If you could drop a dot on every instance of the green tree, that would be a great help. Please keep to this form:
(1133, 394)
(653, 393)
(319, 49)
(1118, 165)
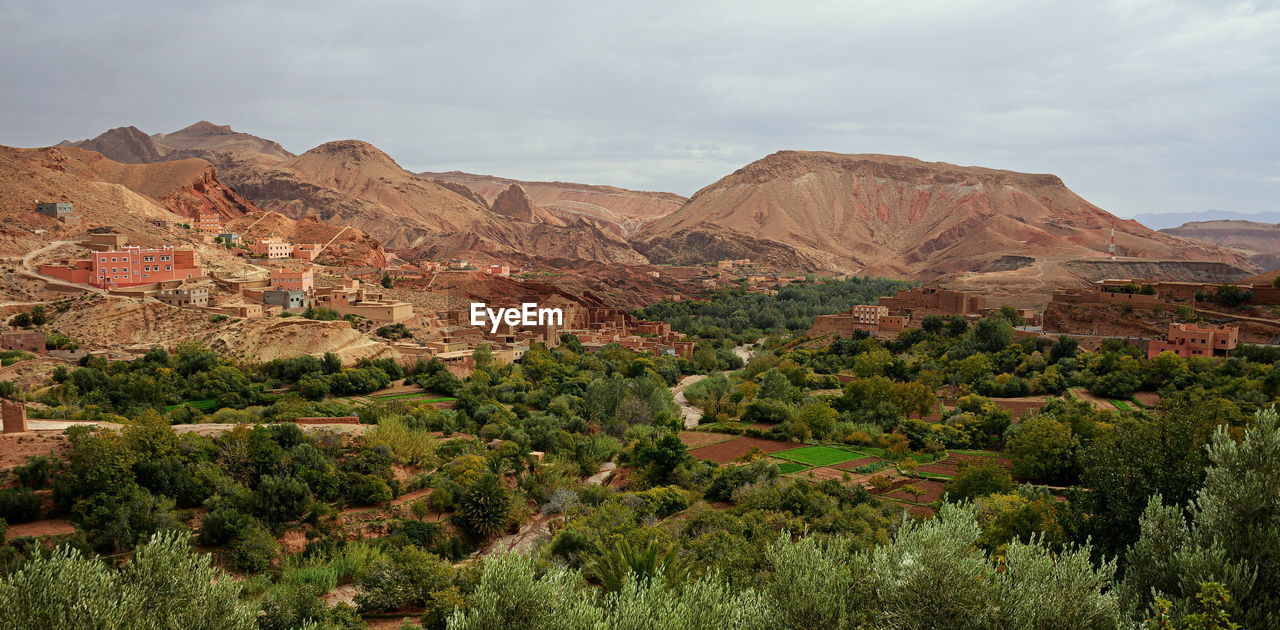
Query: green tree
(165, 585)
(774, 386)
(978, 479)
(992, 334)
(484, 507)
(626, 561)
(1043, 450)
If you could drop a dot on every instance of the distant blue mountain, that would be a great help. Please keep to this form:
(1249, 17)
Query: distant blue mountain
(1163, 220)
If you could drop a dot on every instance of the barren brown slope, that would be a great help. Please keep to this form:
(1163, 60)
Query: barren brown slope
(618, 210)
(207, 137)
(347, 246)
(899, 216)
(203, 139)
(105, 193)
(188, 187)
(1259, 241)
(123, 144)
(353, 183)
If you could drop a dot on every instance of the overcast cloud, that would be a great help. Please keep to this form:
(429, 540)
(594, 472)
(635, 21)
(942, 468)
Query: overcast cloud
(1139, 106)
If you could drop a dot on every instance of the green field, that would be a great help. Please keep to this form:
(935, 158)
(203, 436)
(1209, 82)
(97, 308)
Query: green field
(816, 455)
(1122, 405)
(787, 468)
(207, 404)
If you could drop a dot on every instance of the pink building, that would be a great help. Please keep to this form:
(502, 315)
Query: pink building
(130, 266)
(1196, 340)
(287, 280)
(498, 270)
(208, 223)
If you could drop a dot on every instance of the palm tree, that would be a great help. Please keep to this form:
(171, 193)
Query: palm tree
(612, 568)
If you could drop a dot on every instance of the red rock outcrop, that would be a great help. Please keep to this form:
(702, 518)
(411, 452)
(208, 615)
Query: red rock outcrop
(514, 203)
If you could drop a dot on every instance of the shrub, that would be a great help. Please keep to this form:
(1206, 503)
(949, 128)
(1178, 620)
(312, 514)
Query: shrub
(281, 499)
(19, 505)
(36, 473)
(367, 490)
(255, 550)
(223, 525)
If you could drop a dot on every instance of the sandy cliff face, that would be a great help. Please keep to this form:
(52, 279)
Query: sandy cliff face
(900, 216)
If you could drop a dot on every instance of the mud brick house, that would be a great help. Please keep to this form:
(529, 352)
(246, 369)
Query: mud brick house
(935, 301)
(872, 318)
(184, 297)
(57, 210)
(1196, 340)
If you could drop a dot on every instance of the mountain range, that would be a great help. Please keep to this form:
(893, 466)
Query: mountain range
(793, 210)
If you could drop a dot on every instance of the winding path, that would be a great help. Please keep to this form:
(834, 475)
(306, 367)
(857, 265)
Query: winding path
(692, 415)
(29, 269)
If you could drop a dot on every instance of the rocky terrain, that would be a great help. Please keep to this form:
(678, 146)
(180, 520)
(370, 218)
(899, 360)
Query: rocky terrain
(203, 139)
(899, 216)
(347, 246)
(617, 210)
(105, 193)
(793, 210)
(1260, 242)
(353, 183)
(265, 339)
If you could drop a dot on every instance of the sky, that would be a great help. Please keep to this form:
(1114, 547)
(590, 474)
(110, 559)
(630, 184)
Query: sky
(1140, 106)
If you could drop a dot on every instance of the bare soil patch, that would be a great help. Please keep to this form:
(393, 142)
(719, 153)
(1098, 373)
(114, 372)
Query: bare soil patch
(730, 450)
(16, 448)
(824, 473)
(1149, 399)
(932, 492)
(696, 439)
(50, 527)
(951, 465)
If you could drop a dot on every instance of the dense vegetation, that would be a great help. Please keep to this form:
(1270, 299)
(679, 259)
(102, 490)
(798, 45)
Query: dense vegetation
(1163, 514)
(746, 316)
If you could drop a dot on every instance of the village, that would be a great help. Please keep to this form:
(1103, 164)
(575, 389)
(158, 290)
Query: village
(417, 311)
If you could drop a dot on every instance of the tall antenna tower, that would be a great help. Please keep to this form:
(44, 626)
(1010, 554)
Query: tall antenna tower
(1112, 247)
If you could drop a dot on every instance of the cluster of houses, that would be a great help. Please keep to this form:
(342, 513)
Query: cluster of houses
(1139, 292)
